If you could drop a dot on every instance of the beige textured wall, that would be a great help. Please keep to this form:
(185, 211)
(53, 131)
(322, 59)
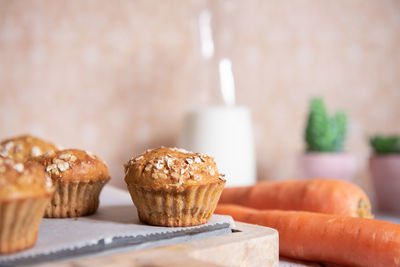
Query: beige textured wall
(115, 77)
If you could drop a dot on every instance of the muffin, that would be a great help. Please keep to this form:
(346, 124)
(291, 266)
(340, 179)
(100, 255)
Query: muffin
(78, 177)
(25, 191)
(173, 187)
(22, 148)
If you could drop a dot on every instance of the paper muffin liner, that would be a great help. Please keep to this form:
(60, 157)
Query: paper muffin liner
(19, 223)
(74, 199)
(192, 206)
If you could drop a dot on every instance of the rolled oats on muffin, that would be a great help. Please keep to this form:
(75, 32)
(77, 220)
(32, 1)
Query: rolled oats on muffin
(79, 177)
(25, 192)
(23, 147)
(174, 187)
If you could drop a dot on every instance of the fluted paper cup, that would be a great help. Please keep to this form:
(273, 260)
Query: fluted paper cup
(74, 199)
(19, 223)
(191, 206)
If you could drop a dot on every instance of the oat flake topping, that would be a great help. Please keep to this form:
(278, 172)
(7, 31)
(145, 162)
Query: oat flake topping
(19, 167)
(177, 167)
(35, 151)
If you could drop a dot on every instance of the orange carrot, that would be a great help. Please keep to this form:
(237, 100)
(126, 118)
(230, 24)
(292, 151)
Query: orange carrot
(325, 237)
(316, 195)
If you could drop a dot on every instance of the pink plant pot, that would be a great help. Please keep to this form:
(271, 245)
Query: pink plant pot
(327, 165)
(385, 170)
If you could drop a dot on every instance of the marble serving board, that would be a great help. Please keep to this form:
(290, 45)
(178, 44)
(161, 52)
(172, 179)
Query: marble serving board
(114, 226)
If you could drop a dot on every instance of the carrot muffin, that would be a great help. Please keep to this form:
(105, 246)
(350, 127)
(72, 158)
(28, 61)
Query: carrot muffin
(25, 191)
(21, 148)
(173, 187)
(78, 177)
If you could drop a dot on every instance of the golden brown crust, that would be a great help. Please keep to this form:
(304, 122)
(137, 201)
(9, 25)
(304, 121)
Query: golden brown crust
(22, 180)
(22, 148)
(168, 168)
(73, 165)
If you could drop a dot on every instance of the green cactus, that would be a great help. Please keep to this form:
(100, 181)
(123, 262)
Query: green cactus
(385, 144)
(324, 133)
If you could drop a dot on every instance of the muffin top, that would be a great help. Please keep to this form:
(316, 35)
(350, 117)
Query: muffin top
(23, 180)
(21, 148)
(171, 168)
(73, 165)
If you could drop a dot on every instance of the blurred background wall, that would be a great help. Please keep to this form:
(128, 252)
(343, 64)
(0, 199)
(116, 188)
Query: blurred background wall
(116, 77)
